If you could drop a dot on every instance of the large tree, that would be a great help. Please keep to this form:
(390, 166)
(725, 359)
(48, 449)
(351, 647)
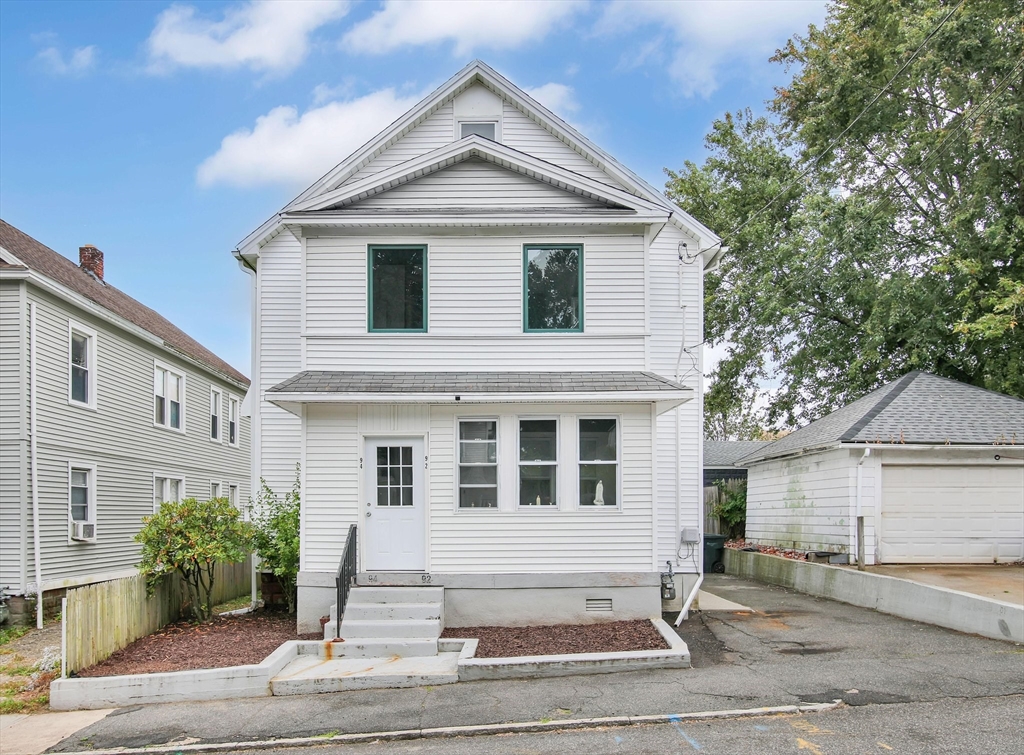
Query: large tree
(875, 217)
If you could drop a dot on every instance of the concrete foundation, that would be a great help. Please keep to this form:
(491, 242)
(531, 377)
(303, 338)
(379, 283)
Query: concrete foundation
(316, 594)
(537, 606)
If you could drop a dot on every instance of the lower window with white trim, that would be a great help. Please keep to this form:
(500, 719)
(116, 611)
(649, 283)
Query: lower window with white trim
(478, 464)
(82, 502)
(167, 488)
(538, 462)
(598, 462)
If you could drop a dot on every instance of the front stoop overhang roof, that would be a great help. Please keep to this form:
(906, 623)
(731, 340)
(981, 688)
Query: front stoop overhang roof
(317, 386)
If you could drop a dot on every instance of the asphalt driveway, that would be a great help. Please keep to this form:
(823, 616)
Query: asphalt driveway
(793, 648)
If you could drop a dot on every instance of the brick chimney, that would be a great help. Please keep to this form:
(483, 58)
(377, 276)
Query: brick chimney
(90, 259)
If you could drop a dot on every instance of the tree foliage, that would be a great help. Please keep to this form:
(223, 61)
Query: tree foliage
(896, 240)
(276, 525)
(190, 537)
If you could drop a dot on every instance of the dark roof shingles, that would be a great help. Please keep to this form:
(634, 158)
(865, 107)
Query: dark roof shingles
(59, 268)
(473, 382)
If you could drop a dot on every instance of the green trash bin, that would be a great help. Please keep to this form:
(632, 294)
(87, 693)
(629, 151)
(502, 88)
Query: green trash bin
(714, 554)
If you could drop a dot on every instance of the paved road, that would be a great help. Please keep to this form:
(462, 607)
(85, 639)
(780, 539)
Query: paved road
(795, 648)
(983, 725)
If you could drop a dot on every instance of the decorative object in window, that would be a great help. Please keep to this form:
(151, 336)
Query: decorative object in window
(167, 392)
(553, 287)
(599, 462)
(398, 288)
(538, 462)
(478, 464)
(81, 363)
(484, 129)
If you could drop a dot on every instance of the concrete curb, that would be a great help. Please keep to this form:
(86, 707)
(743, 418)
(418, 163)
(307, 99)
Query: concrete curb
(524, 727)
(543, 666)
(928, 604)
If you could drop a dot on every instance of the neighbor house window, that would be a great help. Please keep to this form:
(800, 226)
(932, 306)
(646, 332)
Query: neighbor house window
(81, 495)
(233, 421)
(478, 464)
(538, 462)
(599, 462)
(215, 409)
(488, 130)
(233, 495)
(168, 394)
(398, 288)
(553, 287)
(166, 488)
(214, 490)
(82, 367)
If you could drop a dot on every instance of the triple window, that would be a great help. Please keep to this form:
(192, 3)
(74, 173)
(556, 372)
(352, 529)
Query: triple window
(169, 397)
(537, 463)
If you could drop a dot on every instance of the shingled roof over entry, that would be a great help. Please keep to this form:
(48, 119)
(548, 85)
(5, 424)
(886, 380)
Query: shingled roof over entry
(918, 408)
(313, 381)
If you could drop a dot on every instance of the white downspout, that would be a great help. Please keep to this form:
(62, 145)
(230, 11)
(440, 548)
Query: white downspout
(859, 511)
(34, 463)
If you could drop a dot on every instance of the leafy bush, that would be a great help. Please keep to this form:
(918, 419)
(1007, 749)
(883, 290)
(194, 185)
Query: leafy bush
(276, 524)
(731, 508)
(190, 537)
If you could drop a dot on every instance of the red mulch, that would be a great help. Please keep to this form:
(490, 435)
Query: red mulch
(609, 637)
(225, 641)
(770, 549)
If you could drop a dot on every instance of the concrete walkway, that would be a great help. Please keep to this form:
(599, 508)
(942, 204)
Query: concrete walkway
(997, 581)
(22, 734)
(792, 648)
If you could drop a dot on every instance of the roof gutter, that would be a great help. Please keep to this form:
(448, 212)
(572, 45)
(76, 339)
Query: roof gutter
(1004, 449)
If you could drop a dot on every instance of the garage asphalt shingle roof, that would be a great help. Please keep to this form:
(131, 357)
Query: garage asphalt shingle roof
(918, 408)
(725, 453)
(313, 381)
(60, 269)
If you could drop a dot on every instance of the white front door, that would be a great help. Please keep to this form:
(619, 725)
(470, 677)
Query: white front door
(394, 509)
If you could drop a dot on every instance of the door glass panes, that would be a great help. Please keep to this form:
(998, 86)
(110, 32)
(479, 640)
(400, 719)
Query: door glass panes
(599, 462)
(552, 281)
(80, 495)
(80, 368)
(398, 288)
(394, 475)
(538, 462)
(478, 464)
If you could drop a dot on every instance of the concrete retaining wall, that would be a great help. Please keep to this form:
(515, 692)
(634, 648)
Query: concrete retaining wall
(940, 606)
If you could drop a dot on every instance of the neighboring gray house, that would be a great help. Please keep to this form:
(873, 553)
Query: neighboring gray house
(720, 457)
(110, 408)
(469, 335)
(935, 467)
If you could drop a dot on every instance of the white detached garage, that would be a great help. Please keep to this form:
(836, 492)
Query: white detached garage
(934, 466)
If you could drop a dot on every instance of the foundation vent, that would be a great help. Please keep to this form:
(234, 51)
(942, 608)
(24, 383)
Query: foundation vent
(599, 604)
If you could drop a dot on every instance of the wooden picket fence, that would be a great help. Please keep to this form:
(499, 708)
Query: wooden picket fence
(102, 618)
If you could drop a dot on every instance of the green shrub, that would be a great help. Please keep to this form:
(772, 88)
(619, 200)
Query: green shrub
(731, 508)
(276, 524)
(190, 537)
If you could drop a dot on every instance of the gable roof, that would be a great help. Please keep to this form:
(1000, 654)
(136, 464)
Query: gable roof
(725, 453)
(478, 72)
(41, 259)
(918, 408)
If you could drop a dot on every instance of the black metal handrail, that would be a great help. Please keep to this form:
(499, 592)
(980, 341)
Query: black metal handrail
(345, 577)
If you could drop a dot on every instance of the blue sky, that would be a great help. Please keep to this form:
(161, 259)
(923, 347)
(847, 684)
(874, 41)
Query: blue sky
(163, 133)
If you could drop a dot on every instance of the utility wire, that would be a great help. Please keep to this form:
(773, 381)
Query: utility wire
(845, 131)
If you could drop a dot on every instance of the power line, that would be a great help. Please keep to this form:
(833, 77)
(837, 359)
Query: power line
(845, 131)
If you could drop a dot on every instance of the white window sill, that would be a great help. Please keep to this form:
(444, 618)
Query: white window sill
(179, 430)
(80, 405)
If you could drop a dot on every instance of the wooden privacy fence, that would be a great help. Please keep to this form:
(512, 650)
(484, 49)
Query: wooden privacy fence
(102, 618)
(712, 497)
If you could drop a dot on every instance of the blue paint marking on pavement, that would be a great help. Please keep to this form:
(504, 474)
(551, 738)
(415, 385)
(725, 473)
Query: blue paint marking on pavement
(759, 727)
(693, 742)
(618, 740)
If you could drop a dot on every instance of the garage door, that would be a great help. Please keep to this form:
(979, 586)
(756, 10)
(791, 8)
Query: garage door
(952, 514)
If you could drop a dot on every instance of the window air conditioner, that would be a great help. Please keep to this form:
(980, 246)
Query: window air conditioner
(83, 531)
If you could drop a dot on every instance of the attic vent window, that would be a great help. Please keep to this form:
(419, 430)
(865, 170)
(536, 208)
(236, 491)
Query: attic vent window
(486, 130)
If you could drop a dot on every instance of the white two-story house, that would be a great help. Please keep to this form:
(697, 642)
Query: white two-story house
(479, 336)
(106, 410)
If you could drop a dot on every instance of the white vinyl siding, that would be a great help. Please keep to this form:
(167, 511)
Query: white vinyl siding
(435, 131)
(475, 183)
(121, 440)
(13, 431)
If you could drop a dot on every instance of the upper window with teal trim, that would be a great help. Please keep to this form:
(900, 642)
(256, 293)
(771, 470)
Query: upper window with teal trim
(398, 288)
(553, 287)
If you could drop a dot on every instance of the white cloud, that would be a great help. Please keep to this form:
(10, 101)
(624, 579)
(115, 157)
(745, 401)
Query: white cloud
(704, 36)
(558, 98)
(81, 61)
(263, 35)
(467, 24)
(291, 149)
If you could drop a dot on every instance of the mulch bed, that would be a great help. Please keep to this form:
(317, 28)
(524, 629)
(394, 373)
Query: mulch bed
(225, 641)
(769, 549)
(610, 637)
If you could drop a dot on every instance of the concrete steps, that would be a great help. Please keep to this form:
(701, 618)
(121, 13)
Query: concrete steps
(312, 674)
(385, 622)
